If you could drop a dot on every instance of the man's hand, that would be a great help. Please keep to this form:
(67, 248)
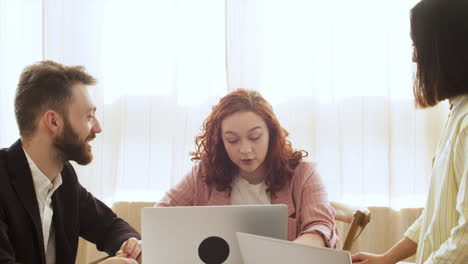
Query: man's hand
(118, 260)
(130, 249)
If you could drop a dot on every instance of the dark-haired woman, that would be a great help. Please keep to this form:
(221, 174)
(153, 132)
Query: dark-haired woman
(439, 29)
(244, 158)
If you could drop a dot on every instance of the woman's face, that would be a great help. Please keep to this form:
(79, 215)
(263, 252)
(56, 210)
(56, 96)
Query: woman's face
(245, 138)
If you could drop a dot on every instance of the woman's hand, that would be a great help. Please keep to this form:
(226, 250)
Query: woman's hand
(367, 258)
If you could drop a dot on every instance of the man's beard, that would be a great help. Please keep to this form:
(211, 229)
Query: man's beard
(69, 146)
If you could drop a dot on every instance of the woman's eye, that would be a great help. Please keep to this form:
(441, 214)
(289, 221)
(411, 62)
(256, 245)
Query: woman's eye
(232, 141)
(255, 138)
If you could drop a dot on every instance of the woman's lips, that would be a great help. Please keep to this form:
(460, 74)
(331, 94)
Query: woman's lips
(247, 161)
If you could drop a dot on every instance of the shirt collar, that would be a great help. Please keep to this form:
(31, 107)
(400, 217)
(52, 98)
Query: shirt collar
(456, 101)
(42, 185)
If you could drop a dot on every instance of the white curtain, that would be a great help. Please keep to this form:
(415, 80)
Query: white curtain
(20, 44)
(338, 74)
(160, 66)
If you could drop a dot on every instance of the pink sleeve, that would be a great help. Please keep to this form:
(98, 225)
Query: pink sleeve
(317, 215)
(184, 193)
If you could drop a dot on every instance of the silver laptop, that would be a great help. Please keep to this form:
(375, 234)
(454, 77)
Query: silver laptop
(206, 234)
(259, 249)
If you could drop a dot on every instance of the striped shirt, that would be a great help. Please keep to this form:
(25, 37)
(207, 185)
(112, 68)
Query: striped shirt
(441, 231)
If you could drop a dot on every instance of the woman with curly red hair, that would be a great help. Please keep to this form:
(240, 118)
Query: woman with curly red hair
(243, 157)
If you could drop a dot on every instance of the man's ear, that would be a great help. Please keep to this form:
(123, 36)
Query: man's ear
(53, 122)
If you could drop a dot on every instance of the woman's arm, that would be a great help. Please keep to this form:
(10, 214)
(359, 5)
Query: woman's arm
(403, 249)
(316, 215)
(311, 240)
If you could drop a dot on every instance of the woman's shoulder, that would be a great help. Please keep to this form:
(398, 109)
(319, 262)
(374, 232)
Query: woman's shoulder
(196, 172)
(305, 170)
(306, 166)
(306, 175)
(460, 112)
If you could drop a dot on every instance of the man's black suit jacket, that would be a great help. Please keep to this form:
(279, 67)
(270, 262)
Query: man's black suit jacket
(76, 213)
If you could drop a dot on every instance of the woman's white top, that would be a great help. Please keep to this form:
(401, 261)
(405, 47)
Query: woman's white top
(244, 193)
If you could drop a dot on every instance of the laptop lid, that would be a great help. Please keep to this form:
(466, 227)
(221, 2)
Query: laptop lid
(206, 234)
(260, 249)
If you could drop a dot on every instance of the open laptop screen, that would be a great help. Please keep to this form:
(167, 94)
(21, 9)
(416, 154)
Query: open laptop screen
(260, 249)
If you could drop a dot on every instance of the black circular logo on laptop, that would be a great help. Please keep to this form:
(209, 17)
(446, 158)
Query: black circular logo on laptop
(213, 250)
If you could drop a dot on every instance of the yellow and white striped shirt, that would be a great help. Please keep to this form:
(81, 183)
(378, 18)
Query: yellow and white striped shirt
(441, 231)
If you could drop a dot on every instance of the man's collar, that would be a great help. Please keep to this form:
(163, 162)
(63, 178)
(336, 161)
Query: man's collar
(42, 184)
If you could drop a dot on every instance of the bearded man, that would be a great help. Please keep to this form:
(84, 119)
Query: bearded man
(43, 207)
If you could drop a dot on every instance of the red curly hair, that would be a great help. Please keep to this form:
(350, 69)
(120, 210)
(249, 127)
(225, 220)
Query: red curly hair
(219, 171)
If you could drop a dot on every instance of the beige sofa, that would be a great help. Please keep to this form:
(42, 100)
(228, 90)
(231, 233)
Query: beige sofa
(386, 228)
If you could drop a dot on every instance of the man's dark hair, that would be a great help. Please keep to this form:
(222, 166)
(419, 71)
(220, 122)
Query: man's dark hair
(439, 29)
(43, 86)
